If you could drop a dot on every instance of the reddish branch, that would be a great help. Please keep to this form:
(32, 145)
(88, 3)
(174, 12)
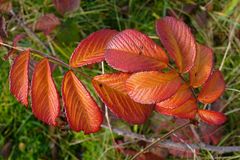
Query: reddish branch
(153, 141)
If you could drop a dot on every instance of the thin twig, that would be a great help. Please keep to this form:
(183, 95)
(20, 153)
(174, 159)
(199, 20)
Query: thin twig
(30, 33)
(160, 139)
(106, 113)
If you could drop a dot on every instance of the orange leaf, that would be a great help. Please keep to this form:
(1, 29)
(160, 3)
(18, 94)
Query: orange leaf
(82, 111)
(202, 67)
(178, 40)
(181, 96)
(91, 49)
(213, 88)
(132, 51)
(212, 117)
(18, 77)
(153, 86)
(45, 98)
(186, 110)
(47, 23)
(112, 91)
(64, 6)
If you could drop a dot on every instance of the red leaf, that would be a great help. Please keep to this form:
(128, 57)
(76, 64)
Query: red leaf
(112, 91)
(186, 110)
(45, 98)
(82, 111)
(132, 51)
(153, 86)
(91, 49)
(213, 88)
(47, 23)
(181, 96)
(202, 67)
(64, 6)
(18, 78)
(212, 117)
(178, 40)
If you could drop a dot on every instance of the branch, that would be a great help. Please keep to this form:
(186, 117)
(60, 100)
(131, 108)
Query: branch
(53, 59)
(174, 145)
(29, 32)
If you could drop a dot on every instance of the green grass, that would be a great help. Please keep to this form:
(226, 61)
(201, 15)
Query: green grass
(31, 139)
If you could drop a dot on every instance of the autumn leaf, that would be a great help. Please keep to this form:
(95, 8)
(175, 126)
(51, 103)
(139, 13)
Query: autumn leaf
(152, 86)
(132, 51)
(202, 67)
(213, 88)
(64, 6)
(212, 117)
(91, 50)
(47, 23)
(178, 40)
(186, 110)
(45, 98)
(181, 96)
(18, 78)
(111, 89)
(83, 113)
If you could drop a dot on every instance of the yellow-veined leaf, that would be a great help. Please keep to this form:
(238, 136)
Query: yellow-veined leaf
(178, 40)
(83, 113)
(212, 117)
(213, 88)
(18, 78)
(45, 98)
(111, 89)
(132, 51)
(181, 96)
(186, 110)
(91, 50)
(152, 86)
(202, 67)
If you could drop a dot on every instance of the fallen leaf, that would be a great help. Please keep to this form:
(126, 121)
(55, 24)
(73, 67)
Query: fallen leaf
(64, 6)
(47, 23)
